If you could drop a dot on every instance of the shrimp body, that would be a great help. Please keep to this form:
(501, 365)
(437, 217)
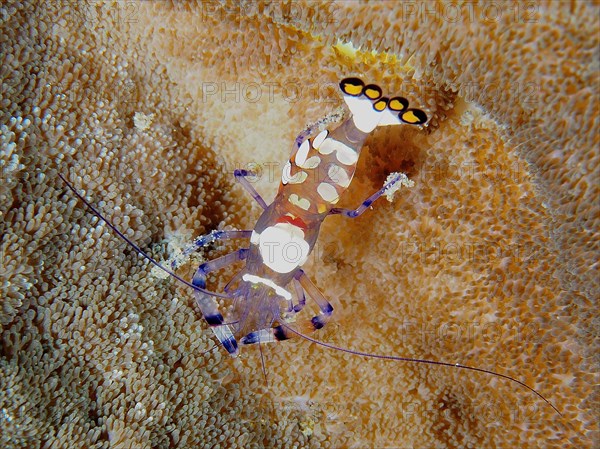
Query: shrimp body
(318, 172)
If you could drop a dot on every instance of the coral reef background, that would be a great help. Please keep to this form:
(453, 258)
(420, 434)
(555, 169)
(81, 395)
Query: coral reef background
(490, 260)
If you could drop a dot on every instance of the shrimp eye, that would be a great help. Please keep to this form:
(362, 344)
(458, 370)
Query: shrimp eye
(398, 104)
(413, 117)
(352, 86)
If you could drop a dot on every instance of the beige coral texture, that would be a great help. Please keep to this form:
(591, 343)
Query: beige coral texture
(489, 260)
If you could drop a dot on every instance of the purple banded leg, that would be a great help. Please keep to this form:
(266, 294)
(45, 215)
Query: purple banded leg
(241, 175)
(326, 309)
(280, 333)
(204, 240)
(208, 306)
(353, 213)
(292, 309)
(301, 297)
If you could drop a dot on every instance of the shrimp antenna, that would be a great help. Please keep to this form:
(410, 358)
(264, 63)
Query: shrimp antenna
(262, 364)
(211, 349)
(410, 359)
(140, 251)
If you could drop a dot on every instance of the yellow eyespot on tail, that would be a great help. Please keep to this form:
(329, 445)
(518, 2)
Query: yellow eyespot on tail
(413, 117)
(372, 92)
(352, 86)
(398, 104)
(370, 109)
(380, 104)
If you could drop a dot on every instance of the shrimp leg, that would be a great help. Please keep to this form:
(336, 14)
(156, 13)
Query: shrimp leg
(326, 309)
(208, 306)
(279, 333)
(204, 240)
(301, 297)
(241, 175)
(292, 309)
(353, 213)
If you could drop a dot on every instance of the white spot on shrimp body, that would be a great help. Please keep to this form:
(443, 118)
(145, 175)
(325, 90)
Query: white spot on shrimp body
(302, 152)
(287, 178)
(317, 141)
(328, 193)
(338, 175)
(269, 283)
(302, 203)
(343, 152)
(311, 162)
(283, 247)
(286, 173)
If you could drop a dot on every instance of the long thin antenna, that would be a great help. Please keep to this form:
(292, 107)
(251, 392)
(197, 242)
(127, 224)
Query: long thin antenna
(135, 247)
(262, 363)
(410, 359)
(211, 349)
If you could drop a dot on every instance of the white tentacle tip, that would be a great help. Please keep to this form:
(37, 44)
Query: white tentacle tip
(394, 186)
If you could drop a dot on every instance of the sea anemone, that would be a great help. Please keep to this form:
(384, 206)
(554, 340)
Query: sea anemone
(489, 260)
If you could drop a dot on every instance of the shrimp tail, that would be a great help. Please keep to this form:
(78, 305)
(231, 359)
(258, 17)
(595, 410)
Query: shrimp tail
(371, 109)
